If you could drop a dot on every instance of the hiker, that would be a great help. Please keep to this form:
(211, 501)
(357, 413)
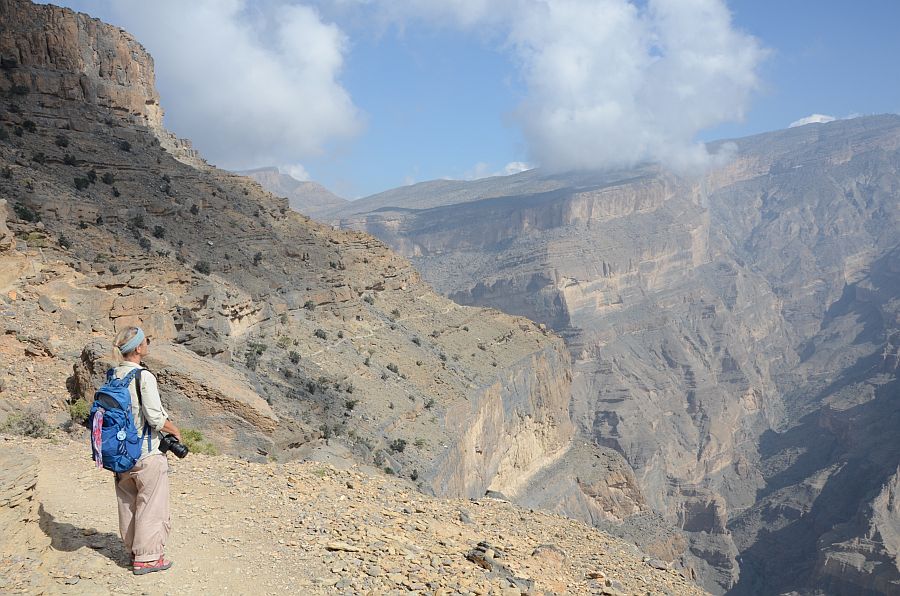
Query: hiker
(143, 491)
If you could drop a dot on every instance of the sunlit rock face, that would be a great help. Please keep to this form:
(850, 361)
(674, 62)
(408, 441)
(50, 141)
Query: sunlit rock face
(708, 319)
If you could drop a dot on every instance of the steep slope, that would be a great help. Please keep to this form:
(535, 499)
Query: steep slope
(308, 198)
(694, 309)
(277, 336)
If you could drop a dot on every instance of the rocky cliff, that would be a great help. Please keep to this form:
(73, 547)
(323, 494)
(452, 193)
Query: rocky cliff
(278, 337)
(704, 317)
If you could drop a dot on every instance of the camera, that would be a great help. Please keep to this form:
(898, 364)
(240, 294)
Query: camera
(170, 443)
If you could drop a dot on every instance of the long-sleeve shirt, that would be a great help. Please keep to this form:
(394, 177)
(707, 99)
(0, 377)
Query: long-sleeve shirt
(152, 412)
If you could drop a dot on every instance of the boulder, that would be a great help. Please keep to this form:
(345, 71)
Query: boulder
(7, 240)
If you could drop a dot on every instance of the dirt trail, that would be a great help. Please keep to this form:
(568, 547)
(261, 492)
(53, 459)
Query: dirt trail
(306, 528)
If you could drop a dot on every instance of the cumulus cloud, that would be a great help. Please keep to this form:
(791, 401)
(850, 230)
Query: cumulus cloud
(614, 82)
(254, 83)
(812, 119)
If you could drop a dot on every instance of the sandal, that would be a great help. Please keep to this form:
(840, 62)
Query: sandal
(151, 566)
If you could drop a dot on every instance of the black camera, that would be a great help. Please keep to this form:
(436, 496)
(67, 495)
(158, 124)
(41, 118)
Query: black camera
(170, 443)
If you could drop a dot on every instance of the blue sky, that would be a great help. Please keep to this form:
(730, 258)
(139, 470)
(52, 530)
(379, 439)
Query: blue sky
(364, 96)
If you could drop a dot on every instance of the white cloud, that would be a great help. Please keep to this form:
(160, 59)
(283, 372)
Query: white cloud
(255, 83)
(812, 119)
(295, 171)
(612, 82)
(514, 167)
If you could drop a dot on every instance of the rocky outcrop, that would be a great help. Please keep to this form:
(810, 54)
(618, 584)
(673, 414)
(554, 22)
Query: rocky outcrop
(74, 57)
(22, 544)
(7, 241)
(199, 393)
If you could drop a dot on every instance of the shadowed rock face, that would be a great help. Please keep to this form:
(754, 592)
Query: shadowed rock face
(708, 319)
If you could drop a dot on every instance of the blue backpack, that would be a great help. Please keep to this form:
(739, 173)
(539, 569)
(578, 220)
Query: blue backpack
(115, 444)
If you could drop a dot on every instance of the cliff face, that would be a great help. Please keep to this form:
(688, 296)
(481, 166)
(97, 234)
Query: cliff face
(508, 430)
(71, 56)
(701, 314)
(276, 336)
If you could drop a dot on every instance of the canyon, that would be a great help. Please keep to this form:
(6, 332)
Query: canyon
(733, 335)
(705, 366)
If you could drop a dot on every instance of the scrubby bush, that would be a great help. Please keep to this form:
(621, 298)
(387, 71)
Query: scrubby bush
(321, 334)
(92, 176)
(193, 440)
(397, 445)
(81, 183)
(393, 368)
(64, 242)
(350, 404)
(61, 141)
(115, 191)
(257, 258)
(20, 89)
(430, 403)
(144, 243)
(25, 214)
(159, 232)
(294, 357)
(202, 267)
(309, 305)
(108, 178)
(369, 299)
(28, 423)
(125, 146)
(195, 209)
(79, 410)
(39, 157)
(69, 159)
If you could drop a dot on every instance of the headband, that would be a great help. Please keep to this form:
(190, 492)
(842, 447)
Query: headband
(132, 344)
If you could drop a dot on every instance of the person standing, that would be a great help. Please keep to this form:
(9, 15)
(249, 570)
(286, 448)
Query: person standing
(142, 492)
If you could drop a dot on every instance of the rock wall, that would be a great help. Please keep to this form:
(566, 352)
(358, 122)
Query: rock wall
(507, 431)
(78, 58)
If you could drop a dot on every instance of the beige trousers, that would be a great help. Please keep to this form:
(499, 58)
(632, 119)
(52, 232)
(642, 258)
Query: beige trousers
(143, 497)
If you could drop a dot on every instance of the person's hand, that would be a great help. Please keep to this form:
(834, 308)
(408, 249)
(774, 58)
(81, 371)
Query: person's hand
(170, 428)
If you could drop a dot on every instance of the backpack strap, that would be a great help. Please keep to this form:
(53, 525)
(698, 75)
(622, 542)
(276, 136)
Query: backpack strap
(146, 431)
